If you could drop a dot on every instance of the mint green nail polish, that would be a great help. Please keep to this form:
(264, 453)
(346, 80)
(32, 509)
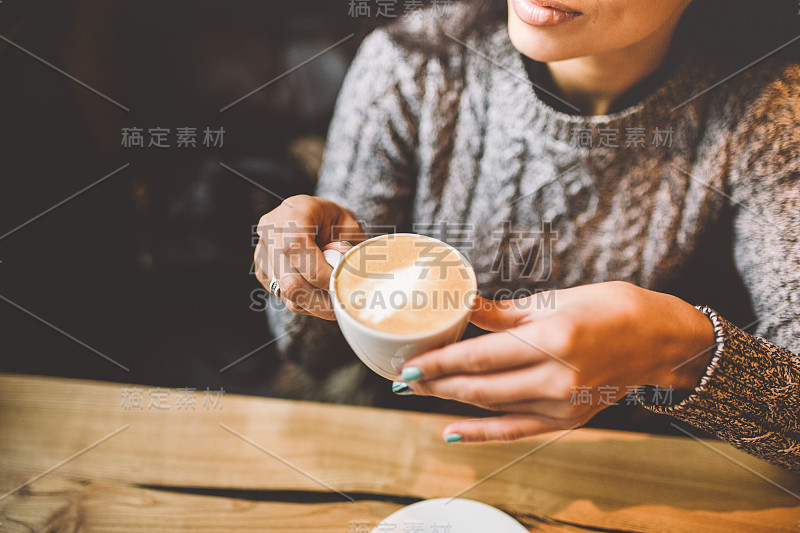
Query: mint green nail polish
(401, 389)
(411, 373)
(453, 438)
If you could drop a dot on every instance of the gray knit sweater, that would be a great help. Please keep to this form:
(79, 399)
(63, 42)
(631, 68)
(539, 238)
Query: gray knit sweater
(665, 194)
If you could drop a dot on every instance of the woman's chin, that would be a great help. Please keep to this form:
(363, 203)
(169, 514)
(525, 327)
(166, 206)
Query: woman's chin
(544, 50)
(540, 46)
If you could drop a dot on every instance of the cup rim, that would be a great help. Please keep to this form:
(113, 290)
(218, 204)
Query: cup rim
(402, 336)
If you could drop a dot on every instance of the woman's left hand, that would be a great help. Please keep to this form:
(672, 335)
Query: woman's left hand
(609, 336)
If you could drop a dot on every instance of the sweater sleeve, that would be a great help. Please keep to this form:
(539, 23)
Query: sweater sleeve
(750, 393)
(369, 168)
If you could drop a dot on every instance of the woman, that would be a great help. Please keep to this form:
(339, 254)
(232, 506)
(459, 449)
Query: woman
(594, 136)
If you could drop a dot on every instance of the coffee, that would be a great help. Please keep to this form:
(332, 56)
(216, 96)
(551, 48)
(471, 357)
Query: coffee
(405, 284)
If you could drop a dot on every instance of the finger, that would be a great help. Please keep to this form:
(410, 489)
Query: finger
(263, 275)
(343, 224)
(313, 302)
(319, 305)
(502, 428)
(303, 254)
(261, 264)
(298, 309)
(294, 308)
(491, 391)
(260, 267)
(267, 254)
(556, 409)
(499, 315)
(296, 289)
(480, 355)
(340, 246)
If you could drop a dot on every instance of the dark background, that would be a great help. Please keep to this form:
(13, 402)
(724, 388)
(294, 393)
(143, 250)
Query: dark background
(151, 267)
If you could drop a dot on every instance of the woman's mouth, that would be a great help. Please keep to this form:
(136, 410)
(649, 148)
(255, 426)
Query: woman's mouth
(544, 13)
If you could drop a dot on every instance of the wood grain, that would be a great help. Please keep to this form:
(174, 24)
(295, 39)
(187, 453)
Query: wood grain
(274, 465)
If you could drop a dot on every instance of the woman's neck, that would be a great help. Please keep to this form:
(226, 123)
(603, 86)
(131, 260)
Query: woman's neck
(593, 83)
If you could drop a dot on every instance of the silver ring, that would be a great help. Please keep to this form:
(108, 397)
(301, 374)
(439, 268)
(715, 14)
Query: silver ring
(274, 289)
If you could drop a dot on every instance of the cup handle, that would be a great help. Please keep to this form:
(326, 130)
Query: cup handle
(333, 258)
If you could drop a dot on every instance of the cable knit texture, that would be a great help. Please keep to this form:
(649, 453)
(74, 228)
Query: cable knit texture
(460, 147)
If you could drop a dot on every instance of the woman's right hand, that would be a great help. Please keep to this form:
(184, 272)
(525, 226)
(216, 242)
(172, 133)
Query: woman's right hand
(291, 239)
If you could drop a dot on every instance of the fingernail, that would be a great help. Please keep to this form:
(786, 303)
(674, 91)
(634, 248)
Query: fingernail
(453, 438)
(411, 373)
(347, 243)
(401, 389)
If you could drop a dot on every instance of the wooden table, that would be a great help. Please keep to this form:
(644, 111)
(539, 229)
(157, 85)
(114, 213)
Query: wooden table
(100, 463)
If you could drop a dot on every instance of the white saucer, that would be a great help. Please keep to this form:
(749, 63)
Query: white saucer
(450, 515)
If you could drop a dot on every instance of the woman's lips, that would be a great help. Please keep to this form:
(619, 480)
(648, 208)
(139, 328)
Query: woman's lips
(543, 13)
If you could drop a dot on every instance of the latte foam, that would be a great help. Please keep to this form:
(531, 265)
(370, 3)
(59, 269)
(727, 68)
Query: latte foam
(405, 284)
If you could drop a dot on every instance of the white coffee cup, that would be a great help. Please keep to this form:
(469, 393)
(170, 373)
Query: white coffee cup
(383, 352)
